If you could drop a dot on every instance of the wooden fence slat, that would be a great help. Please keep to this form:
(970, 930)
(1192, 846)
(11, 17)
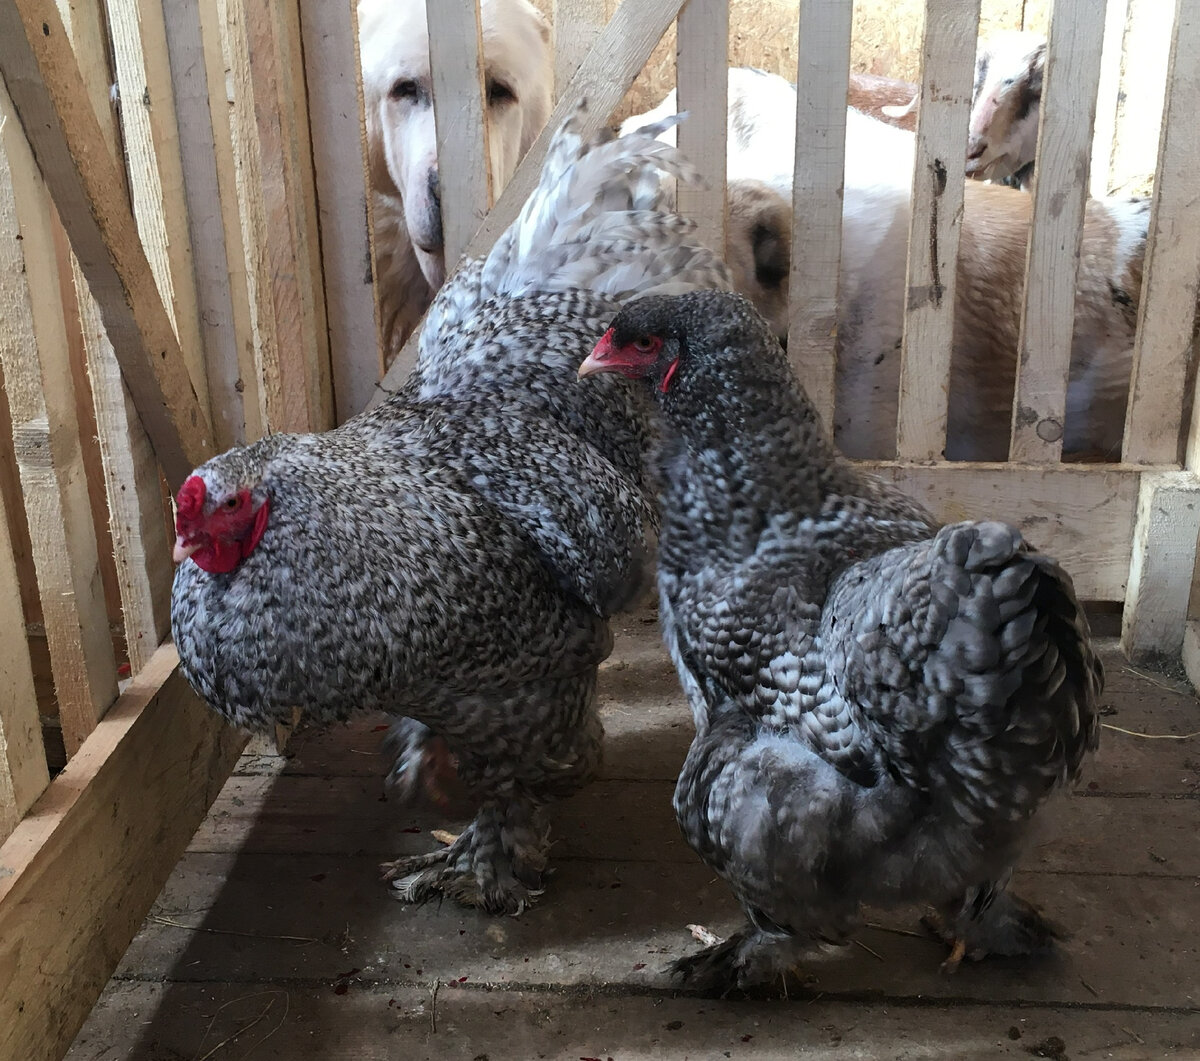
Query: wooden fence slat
(1171, 274)
(701, 63)
(48, 93)
(276, 201)
(577, 24)
(1060, 192)
(822, 73)
(602, 79)
(152, 159)
(78, 875)
(455, 43)
(23, 773)
(935, 224)
(41, 400)
(202, 105)
(335, 107)
(1107, 97)
(1163, 555)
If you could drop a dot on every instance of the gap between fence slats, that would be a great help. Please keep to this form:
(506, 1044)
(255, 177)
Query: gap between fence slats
(41, 400)
(701, 64)
(458, 78)
(935, 224)
(1171, 271)
(151, 141)
(1060, 193)
(604, 77)
(577, 24)
(822, 74)
(49, 95)
(23, 773)
(335, 107)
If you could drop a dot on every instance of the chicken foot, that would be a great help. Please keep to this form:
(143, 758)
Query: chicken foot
(496, 863)
(991, 920)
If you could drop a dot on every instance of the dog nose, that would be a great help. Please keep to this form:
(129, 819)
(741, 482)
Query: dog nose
(435, 200)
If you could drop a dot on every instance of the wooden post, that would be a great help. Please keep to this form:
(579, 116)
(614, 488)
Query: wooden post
(701, 63)
(577, 24)
(23, 773)
(619, 54)
(947, 65)
(1162, 349)
(459, 107)
(41, 399)
(49, 95)
(335, 106)
(822, 73)
(1068, 115)
(1160, 568)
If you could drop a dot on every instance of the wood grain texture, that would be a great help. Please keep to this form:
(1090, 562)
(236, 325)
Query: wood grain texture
(602, 80)
(703, 85)
(1163, 557)
(49, 95)
(1171, 277)
(1081, 516)
(947, 70)
(23, 772)
(79, 873)
(457, 75)
(1060, 191)
(45, 437)
(335, 107)
(821, 77)
(201, 192)
(576, 25)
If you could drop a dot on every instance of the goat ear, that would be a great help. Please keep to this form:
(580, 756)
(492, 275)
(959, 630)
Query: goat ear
(1037, 68)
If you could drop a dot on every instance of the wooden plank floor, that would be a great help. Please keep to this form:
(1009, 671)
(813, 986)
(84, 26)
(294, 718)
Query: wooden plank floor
(274, 937)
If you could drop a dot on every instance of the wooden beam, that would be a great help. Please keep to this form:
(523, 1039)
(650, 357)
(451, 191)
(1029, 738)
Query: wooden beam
(78, 875)
(210, 184)
(459, 93)
(602, 79)
(1162, 349)
(1068, 114)
(335, 107)
(822, 75)
(41, 401)
(935, 224)
(1080, 515)
(701, 64)
(49, 95)
(1108, 97)
(23, 773)
(152, 157)
(1162, 560)
(276, 202)
(576, 24)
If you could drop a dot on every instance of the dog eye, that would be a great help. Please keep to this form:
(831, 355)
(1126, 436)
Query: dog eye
(498, 92)
(404, 88)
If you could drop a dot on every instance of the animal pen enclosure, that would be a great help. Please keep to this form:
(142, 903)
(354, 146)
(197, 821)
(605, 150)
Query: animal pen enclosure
(184, 249)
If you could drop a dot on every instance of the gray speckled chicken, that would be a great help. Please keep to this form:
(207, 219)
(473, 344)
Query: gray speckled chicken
(451, 556)
(881, 704)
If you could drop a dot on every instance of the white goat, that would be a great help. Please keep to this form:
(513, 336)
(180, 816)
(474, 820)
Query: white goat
(1005, 107)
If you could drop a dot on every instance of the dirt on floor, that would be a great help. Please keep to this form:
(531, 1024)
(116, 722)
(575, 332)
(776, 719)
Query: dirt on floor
(275, 938)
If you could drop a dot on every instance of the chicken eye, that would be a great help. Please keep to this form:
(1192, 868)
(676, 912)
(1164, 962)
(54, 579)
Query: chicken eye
(644, 345)
(231, 502)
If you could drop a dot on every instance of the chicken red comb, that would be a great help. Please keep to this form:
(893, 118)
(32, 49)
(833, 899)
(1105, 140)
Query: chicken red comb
(189, 502)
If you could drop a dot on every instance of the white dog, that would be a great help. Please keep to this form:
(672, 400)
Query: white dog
(401, 139)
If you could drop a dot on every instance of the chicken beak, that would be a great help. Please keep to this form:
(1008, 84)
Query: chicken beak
(183, 549)
(595, 360)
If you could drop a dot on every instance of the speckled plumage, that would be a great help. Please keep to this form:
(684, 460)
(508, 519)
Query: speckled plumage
(452, 555)
(881, 703)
